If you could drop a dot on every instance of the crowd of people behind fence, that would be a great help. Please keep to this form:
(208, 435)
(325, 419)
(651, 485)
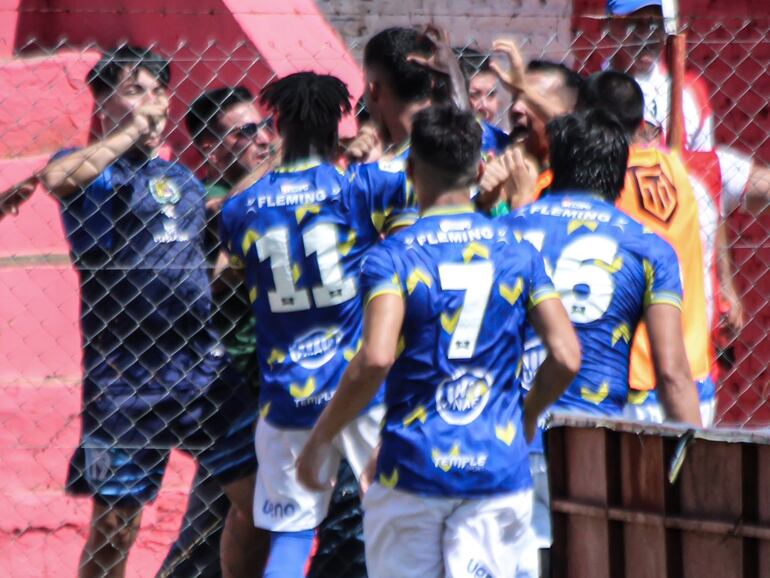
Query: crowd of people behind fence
(408, 305)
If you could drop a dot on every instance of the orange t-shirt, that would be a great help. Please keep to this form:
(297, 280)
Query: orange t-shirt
(658, 194)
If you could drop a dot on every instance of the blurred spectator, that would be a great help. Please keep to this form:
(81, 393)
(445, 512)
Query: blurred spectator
(639, 26)
(483, 87)
(155, 373)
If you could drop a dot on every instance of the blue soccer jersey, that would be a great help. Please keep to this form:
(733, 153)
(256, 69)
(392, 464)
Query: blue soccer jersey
(607, 268)
(136, 238)
(453, 425)
(300, 233)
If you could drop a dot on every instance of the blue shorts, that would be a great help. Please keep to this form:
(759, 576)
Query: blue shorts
(128, 434)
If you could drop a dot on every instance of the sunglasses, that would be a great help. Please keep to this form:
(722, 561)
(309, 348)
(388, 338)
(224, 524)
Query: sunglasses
(250, 129)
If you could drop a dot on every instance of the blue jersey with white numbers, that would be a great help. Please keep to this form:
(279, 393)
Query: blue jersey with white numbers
(493, 139)
(453, 425)
(607, 269)
(136, 238)
(300, 233)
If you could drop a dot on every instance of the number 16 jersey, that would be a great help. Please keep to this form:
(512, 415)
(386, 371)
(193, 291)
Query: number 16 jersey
(300, 233)
(607, 269)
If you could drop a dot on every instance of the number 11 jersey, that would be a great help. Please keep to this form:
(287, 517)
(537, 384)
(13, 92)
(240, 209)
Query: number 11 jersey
(299, 233)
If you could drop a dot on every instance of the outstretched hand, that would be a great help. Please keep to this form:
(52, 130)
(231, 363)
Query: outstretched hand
(12, 198)
(311, 465)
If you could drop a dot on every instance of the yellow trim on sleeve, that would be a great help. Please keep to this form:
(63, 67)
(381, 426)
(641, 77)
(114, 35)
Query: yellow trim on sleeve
(538, 297)
(383, 291)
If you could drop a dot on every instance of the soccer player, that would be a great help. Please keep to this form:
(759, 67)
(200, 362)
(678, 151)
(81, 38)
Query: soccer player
(609, 271)
(394, 90)
(156, 375)
(300, 233)
(658, 194)
(446, 304)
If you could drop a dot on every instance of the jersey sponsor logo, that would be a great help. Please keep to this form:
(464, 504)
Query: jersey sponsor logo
(477, 569)
(456, 459)
(165, 191)
(655, 191)
(483, 233)
(171, 234)
(292, 199)
(316, 348)
(461, 399)
(277, 510)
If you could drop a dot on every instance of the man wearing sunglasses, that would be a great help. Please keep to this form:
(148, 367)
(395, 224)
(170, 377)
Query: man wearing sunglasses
(233, 140)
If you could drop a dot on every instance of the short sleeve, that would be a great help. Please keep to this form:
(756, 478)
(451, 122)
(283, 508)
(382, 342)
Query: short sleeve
(540, 285)
(736, 171)
(387, 194)
(662, 279)
(230, 235)
(87, 214)
(379, 274)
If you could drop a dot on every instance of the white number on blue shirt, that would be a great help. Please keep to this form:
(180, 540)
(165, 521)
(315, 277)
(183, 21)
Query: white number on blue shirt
(476, 280)
(584, 286)
(321, 240)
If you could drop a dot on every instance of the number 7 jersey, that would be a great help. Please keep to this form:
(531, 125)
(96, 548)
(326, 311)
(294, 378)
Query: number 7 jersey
(300, 233)
(453, 423)
(607, 269)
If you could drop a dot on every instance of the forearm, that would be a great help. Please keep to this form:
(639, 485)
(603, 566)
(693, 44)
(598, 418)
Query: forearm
(458, 86)
(64, 176)
(551, 381)
(724, 262)
(679, 398)
(357, 388)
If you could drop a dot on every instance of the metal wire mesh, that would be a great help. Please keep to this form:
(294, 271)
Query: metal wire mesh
(49, 107)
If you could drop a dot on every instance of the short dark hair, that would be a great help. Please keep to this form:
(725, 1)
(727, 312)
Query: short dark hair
(449, 140)
(387, 50)
(617, 93)
(472, 61)
(572, 80)
(309, 107)
(202, 120)
(105, 76)
(588, 151)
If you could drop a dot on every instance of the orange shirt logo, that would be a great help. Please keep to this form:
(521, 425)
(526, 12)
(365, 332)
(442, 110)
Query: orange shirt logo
(656, 193)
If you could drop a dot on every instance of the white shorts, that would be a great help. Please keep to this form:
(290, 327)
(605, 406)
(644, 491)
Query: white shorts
(411, 536)
(281, 503)
(541, 511)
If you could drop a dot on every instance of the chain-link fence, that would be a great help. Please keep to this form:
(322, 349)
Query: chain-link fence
(104, 257)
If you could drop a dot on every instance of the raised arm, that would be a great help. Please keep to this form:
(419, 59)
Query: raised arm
(68, 174)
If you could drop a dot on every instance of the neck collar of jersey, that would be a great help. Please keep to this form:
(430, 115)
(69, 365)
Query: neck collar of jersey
(450, 210)
(300, 165)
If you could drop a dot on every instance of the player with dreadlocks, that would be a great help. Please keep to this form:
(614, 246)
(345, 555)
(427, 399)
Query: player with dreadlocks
(299, 234)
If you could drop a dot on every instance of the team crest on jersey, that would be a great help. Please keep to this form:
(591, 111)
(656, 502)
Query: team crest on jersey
(656, 192)
(165, 191)
(314, 349)
(461, 399)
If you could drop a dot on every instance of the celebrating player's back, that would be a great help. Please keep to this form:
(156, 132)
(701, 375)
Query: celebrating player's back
(658, 193)
(300, 233)
(447, 302)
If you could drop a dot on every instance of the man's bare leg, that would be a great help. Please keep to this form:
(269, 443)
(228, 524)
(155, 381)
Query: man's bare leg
(112, 533)
(244, 549)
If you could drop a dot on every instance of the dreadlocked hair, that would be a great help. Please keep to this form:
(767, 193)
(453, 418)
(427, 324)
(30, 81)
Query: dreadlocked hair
(308, 105)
